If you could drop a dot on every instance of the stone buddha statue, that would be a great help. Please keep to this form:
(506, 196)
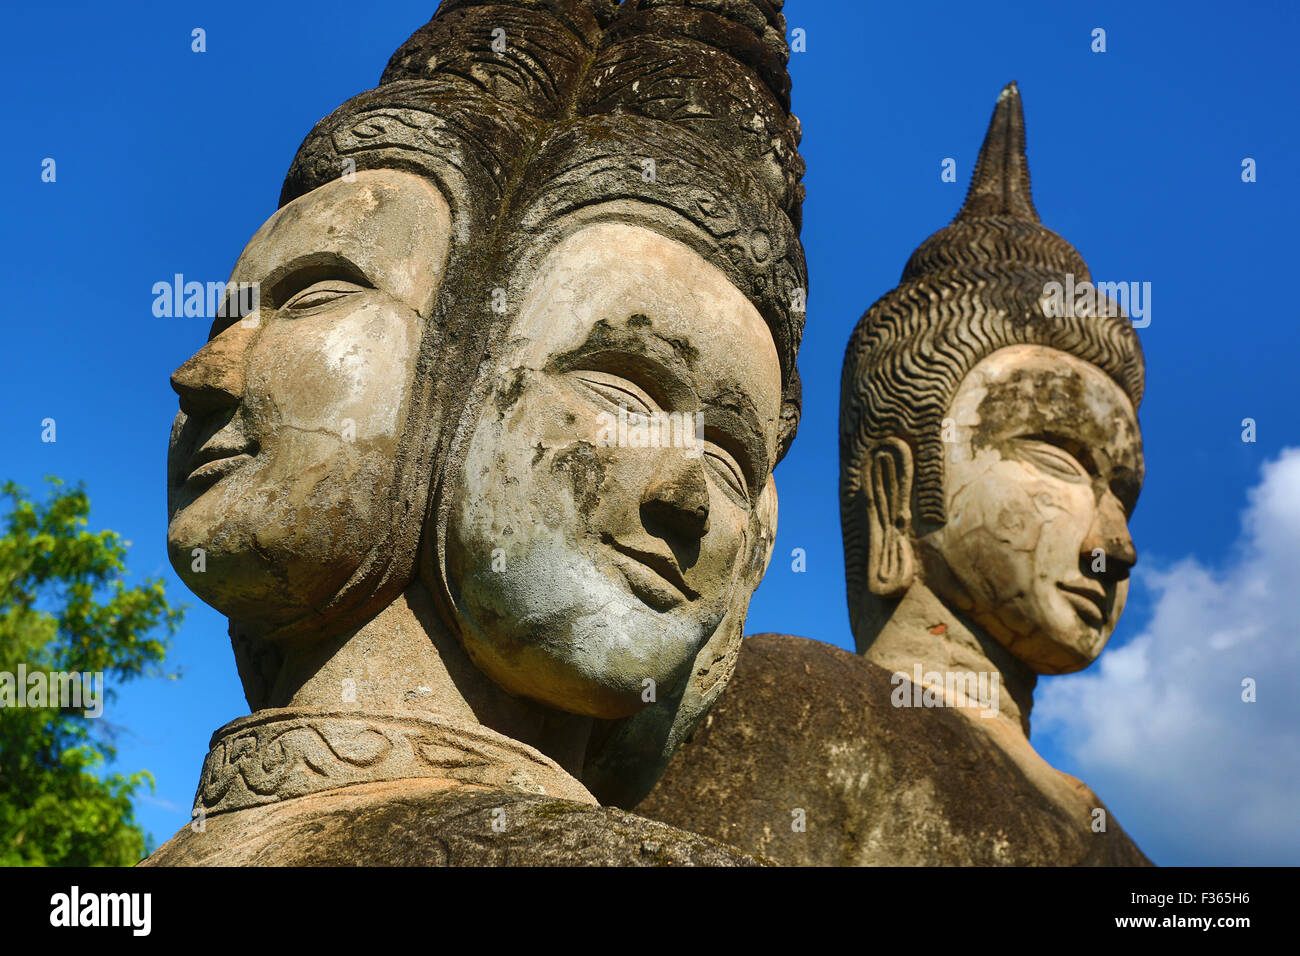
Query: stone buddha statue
(484, 484)
(990, 458)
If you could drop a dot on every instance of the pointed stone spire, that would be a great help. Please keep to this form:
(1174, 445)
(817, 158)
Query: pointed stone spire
(1000, 186)
(998, 224)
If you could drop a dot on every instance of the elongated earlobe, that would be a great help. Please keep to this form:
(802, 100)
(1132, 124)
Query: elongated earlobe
(890, 562)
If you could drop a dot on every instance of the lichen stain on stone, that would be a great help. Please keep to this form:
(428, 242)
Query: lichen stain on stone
(687, 352)
(586, 473)
(505, 398)
(638, 338)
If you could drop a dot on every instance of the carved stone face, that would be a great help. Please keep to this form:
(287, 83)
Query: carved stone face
(282, 458)
(580, 567)
(1038, 489)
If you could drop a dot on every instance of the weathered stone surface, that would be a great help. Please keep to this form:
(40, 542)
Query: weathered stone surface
(807, 726)
(424, 823)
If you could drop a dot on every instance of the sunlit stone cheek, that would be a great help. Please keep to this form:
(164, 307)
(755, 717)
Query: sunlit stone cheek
(528, 425)
(1011, 534)
(996, 500)
(339, 382)
(994, 526)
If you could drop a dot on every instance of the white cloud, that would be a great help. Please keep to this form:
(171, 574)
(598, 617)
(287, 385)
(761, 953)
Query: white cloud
(1158, 727)
(159, 802)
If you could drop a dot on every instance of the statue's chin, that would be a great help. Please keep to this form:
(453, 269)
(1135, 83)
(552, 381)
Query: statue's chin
(241, 583)
(1047, 635)
(573, 694)
(226, 584)
(579, 669)
(563, 628)
(1060, 651)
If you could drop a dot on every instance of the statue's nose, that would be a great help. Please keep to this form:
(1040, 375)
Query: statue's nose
(1109, 533)
(678, 499)
(213, 377)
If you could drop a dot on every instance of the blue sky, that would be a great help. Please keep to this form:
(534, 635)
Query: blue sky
(168, 161)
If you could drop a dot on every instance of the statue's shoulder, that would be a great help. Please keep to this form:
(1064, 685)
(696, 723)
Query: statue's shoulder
(805, 759)
(425, 823)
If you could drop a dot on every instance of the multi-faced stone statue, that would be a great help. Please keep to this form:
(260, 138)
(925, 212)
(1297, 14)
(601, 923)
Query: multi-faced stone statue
(484, 484)
(990, 458)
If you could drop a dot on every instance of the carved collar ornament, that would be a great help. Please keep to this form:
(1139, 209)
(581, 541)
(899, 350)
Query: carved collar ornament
(280, 754)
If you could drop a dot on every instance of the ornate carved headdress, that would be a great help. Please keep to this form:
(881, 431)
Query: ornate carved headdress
(972, 288)
(529, 112)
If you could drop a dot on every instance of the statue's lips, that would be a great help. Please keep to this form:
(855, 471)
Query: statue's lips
(213, 464)
(1090, 602)
(646, 574)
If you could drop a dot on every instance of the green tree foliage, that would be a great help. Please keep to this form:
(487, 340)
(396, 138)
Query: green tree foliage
(65, 608)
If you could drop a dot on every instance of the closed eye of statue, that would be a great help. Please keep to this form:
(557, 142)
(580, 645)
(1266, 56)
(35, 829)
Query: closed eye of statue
(724, 466)
(613, 390)
(323, 293)
(1048, 455)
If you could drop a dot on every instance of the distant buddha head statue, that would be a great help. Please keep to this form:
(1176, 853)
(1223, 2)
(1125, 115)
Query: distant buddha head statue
(989, 444)
(527, 335)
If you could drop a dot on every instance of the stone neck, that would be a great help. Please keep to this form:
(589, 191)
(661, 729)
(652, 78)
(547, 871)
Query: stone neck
(405, 662)
(924, 631)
